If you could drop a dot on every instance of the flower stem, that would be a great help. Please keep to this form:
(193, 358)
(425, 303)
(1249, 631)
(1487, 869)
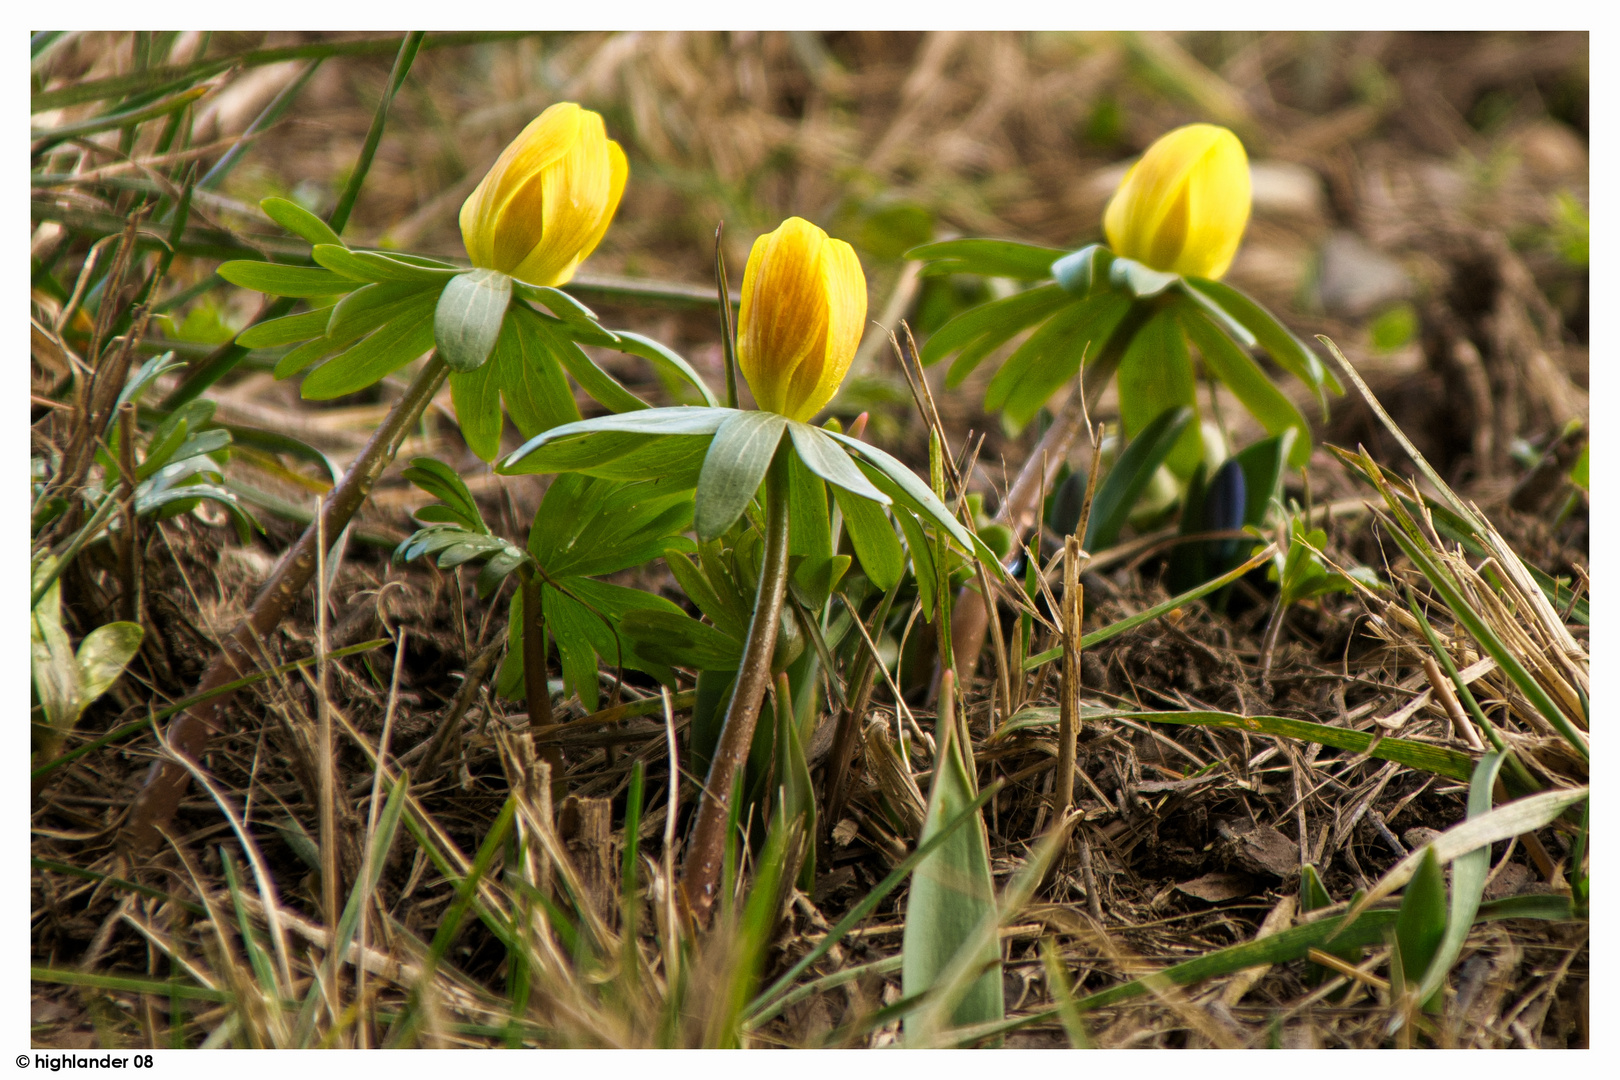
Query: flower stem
(189, 733)
(701, 872)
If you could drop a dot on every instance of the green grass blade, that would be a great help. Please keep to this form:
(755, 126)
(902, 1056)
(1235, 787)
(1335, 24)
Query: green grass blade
(1113, 630)
(368, 150)
(769, 1003)
(952, 894)
(1468, 875)
(1483, 633)
(127, 984)
(359, 896)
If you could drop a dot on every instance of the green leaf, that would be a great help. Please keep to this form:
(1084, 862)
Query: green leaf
(379, 266)
(873, 538)
(340, 260)
(298, 221)
(476, 396)
(995, 321)
(390, 347)
(55, 668)
(810, 532)
(664, 358)
(1154, 375)
(677, 639)
(1313, 896)
(370, 306)
(737, 461)
(824, 457)
(952, 892)
(148, 373)
(586, 622)
(1293, 355)
(1421, 922)
(1263, 463)
(286, 330)
(729, 614)
(469, 316)
(793, 778)
(676, 458)
(1140, 281)
(1083, 272)
(1247, 382)
(567, 309)
(1131, 474)
(303, 356)
(537, 395)
(279, 280)
(912, 492)
(444, 484)
(992, 258)
(587, 527)
(1051, 356)
(601, 386)
(923, 571)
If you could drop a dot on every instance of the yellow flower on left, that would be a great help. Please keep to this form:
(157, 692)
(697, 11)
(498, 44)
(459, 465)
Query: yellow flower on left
(549, 198)
(803, 311)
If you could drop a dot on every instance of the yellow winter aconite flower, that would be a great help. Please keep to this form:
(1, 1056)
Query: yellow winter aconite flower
(803, 310)
(1183, 207)
(547, 201)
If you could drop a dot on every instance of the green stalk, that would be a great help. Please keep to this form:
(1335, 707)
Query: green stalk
(700, 874)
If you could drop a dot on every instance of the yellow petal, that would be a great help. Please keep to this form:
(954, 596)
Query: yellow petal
(784, 310)
(845, 287)
(1182, 208)
(489, 209)
(619, 172)
(574, 195)
(1219, 197)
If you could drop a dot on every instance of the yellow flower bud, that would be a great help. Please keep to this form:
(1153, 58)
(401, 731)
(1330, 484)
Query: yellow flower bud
(1183, 207)
(547, 201)
(803, 310)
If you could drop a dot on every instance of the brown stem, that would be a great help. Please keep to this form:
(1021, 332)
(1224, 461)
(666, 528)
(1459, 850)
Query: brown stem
(971, 617)
(700, 873)
(189, 732)
(327, 766)
(1069, 702)
(535, 687)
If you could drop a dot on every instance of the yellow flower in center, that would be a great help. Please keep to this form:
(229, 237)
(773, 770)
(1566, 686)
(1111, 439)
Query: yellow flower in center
(1183, 207)
(547, 201)
(803, 310)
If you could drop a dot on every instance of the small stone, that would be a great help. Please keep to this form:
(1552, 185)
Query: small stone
(1356, 279)
(1283, 189)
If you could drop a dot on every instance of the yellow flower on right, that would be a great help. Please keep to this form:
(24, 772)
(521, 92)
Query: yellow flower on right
(1183, 207)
